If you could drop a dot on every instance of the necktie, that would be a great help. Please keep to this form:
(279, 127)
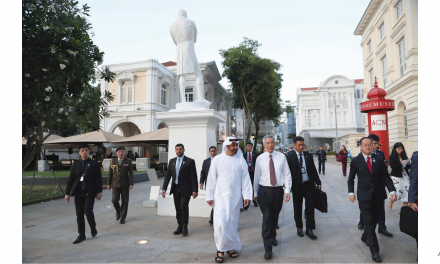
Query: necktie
(369, 164)
(177, 170)
(273, 179)
(250, 162)
(120, 163)
(301, 160)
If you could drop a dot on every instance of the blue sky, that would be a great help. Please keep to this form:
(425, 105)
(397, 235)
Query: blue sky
(312, 39)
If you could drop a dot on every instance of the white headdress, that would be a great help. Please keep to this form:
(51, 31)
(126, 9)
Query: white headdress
(228, 142)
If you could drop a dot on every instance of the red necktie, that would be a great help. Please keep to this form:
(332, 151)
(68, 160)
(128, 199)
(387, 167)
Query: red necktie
(369, 164)
(250, 162)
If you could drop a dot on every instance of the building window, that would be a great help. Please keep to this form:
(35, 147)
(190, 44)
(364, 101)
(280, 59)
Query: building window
(384, 70)
(189, 95)
(402, 56)
(369, 47)
(127, 95)
(358, 93)
(358, 142)
(405, 122)
(263, 123)
(399, 8)
(382, 31)
(163, 95)
(371, 78)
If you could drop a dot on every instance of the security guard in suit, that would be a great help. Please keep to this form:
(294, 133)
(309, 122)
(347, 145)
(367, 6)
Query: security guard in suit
(120, 178)
(322, 158)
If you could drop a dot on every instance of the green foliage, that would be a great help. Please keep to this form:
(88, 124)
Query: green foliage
(331, 153)
(291, 135)
(59, 63)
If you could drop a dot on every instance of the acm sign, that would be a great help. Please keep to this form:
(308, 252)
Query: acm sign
(378, 122)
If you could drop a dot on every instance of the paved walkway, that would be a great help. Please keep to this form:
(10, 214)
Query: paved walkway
(50, 228)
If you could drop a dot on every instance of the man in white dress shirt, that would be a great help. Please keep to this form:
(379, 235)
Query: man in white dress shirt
(271, 173)
(228, 181)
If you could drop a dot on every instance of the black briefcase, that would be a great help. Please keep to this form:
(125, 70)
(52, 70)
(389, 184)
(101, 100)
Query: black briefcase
(321, 201)
(409, 221)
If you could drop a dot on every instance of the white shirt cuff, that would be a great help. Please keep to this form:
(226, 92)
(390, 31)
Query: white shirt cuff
(350, 194)
(393, 192)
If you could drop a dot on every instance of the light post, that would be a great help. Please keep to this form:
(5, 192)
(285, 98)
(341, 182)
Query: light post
(336, 120)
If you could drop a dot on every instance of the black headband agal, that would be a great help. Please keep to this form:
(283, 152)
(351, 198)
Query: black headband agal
(234, 139)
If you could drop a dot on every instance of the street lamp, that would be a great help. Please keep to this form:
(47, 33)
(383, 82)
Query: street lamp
(336, 120)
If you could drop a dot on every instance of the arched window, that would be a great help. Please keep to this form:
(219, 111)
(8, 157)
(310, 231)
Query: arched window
(405, 122)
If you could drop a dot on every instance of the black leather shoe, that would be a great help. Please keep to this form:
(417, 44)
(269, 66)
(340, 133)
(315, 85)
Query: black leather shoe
(117, 216)
(361, 225)
(278, 226)
(122, 221)
(323, 173)
(274, 242)
(268, 254)
(178, 231)
(241, 210)
(211, 222)
(184, 231)
(79, 239)
(385, 232)
(365, 241)
(309, 232)
(299, 231)
(375, 257)
(94, 232)
(255, 205)
(319, 172)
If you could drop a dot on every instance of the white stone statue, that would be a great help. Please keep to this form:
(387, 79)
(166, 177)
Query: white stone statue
(184, 34)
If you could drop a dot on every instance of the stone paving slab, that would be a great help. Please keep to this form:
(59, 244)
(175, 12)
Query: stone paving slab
(48, 230)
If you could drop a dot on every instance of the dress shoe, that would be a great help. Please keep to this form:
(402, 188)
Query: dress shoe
(365, 241)
(385, 232)
(319, 172)
(268, 254)
(211, 222)
(255, 204)
(299, 231)
(178, 231)
(94, 232)
(79, 239)
(375, 257)
(122, 221)
(184, 231)
(241, 210)
(278, 226)
(323, 173)
(274, 242)
(117, 216)
(309, 232)
(361, 225)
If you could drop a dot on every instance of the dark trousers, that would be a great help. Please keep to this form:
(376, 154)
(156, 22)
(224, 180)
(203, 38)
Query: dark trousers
(305, 191)
(251, 174)
(181, 204)
(381, 220)
(84, 205)
(122, 193)
(321, 163)
(371, 210)
(270, 200)
(212, 213)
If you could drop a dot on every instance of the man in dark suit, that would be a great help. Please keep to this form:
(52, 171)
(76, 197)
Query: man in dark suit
(182, 171)
(381, 221)
(85, 184)
(304, 178)
(321, 155)
(413, 192)
(120, 178)
(251, 157)
(372, 178)
(205, 171)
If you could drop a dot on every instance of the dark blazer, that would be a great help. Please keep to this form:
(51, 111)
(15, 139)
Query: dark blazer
(93, 178)
(414, 179)
(205, 170)
(396, 166)
(367, 181)
(187, 176)
(295, 170)
(254, 158)
(120, 176)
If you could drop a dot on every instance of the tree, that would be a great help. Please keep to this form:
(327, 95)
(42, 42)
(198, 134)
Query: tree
(59, 65)
(255, 82)
(291, 135)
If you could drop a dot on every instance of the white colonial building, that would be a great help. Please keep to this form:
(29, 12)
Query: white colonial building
(389, 30)
(315, 113)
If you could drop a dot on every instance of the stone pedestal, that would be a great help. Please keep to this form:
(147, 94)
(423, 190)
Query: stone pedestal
(106, 164)
(195, 128)
(42, 165)
(142, 164)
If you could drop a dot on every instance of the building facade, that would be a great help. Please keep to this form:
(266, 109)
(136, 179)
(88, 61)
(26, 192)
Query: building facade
(291, 123)
(315, 112)
(389, 31)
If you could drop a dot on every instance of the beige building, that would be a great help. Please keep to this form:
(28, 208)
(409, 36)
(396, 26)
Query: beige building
(389, 30)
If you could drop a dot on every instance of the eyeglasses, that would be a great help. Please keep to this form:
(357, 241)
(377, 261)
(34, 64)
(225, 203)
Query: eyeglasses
(367, 146)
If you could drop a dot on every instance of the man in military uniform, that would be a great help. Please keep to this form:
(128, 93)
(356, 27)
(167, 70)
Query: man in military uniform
(120, 178)
(322, 158)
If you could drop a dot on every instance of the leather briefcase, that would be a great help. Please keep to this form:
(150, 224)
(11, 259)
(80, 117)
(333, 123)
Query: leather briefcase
(409, 221)
(320, 201)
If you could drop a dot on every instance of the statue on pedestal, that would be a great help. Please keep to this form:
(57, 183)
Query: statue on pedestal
(184, 34)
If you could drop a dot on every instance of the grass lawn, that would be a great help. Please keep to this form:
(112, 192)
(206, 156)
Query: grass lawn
(61, 173)
(42, 192)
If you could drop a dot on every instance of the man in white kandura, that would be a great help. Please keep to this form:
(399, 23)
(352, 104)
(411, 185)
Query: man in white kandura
(228, 180)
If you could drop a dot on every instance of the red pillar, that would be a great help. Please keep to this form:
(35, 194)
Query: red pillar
(377, 108)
